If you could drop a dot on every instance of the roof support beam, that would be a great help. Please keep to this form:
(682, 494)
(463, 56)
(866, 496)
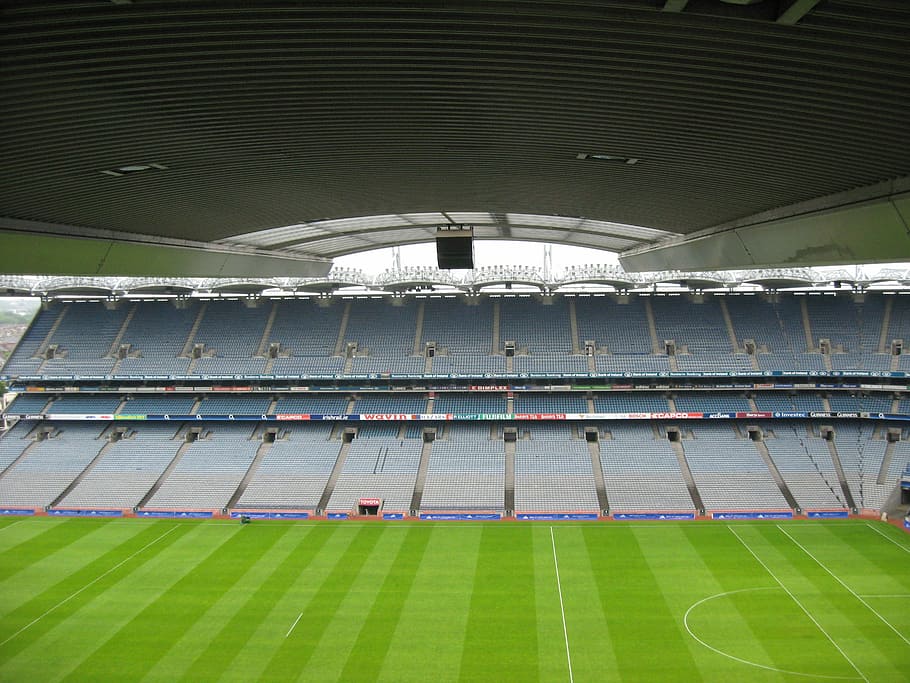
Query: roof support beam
(675, 5)
(31, 248)
(796, 11)
(867, 225)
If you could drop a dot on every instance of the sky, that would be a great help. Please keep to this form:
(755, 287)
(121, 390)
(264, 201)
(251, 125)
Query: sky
(486, 253)
(511, 253)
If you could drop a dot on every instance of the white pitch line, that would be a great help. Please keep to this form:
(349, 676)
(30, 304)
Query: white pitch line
(888, 538)
(293, 625)
(801, 606)
(899, 595)
(13, 524)
(562, 608)
(740, 659)
(852, 592)
(88, 585)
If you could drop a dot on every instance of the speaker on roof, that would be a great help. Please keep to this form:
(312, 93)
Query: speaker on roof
(455, 248)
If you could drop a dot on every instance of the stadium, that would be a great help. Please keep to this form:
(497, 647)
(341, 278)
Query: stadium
(227, 455)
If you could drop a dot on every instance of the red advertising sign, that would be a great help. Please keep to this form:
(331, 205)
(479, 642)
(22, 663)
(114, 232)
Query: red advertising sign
(370, 501)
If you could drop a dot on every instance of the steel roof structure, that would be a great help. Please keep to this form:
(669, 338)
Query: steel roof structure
(422, 280)
(217, 138)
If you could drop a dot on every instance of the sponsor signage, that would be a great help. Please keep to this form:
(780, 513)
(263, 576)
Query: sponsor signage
(21, 512)
(263, 514)
(438, 417)
(752, 515)
(391, 417)
(337, 515)
(660, 516)
(393, 515)
(468, 375)
(555, 517)
(176, 514)
(79, 512)
(827, 514)
(370, 502)
(455, 517)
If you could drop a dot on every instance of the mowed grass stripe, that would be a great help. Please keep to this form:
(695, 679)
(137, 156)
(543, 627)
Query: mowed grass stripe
(340, 635)
(764, 626)
(365, 659)
(872, 646)
(48, 569)
(235, 634)
(683, 566)
(296, 650)
(861, 562)
(76, 589)
(213, 570)
(645, 636)
(76, 639)
(181, 655)
(49, 541)
(19, 530)
(501, 641)
(270, 634)
(428, 642)
(591, 645)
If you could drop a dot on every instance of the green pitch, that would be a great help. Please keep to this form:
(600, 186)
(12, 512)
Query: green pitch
(131, 600)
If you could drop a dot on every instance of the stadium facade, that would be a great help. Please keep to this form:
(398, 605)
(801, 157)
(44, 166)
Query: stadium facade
(461, 404)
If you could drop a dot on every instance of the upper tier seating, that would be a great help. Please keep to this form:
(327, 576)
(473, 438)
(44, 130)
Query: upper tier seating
(158, 332)
(237, 336)
(620, 328)
(550, 403)
(84, 338)
(232, 329)
(304, 328)
(542, 328)
(710, 401)
(477, 402)
(387, 330)
(236, 404)
(462, 328)
(74, 404)
(28, 403)
(158, 404)
(391, 403)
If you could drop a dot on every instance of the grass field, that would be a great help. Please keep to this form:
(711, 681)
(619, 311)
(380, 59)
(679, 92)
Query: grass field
(130, 600)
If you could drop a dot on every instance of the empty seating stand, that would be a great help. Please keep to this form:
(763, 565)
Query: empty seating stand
(378, 467)
(641, 472)
(553, 472)
(210, 470)
(294, 472)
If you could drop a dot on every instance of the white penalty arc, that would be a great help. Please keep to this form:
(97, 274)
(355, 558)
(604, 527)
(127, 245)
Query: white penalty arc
(746, 661)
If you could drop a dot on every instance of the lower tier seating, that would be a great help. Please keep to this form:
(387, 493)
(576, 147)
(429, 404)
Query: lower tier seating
(527, 466)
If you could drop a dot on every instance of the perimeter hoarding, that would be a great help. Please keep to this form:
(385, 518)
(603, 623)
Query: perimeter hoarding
(467, 417)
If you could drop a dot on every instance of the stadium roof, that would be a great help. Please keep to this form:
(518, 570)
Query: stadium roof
(168, 138)
(582, 278)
